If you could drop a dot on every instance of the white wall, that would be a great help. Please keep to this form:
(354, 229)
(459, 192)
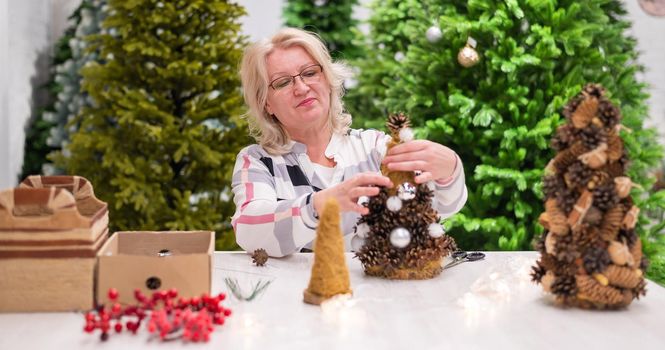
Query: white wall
(4, 98)
(650, 33)
(29, 28)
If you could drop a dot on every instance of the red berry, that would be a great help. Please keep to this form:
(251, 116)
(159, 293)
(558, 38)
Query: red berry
(89, 328)
(118, 327)
(116, 308)
(221, 296)
(113, 294)
(138, 295)
(173, 293)
(227, 312)
(195, 301)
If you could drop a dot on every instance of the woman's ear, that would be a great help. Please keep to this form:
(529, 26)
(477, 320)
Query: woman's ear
(268, 109)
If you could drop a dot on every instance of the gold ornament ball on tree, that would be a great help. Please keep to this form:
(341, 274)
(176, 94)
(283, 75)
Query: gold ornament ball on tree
(468, 56)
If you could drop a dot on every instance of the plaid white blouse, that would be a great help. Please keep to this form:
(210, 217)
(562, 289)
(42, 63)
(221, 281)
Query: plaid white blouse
(272, 194)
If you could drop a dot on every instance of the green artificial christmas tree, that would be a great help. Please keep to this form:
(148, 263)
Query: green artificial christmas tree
(49, 131)
(332, 20)
(160, 138)
(489, 79)
(70, 98)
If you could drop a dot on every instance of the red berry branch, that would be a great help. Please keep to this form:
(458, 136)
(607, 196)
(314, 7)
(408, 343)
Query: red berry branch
(191, 319)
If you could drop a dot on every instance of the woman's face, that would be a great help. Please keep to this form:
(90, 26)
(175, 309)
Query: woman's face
(299, 105)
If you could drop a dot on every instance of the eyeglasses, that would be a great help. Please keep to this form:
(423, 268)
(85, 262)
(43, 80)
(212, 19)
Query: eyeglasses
(310, 74)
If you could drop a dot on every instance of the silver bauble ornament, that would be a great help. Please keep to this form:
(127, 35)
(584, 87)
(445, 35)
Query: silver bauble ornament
(357, 243)
(406, 134)
(362, 230)
(394, 203)
(406, 191)
(433, 34)
(435, 230)
(400, 237)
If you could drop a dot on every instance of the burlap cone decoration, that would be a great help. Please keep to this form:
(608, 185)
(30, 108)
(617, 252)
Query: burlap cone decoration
(330, 275)
(591, 256)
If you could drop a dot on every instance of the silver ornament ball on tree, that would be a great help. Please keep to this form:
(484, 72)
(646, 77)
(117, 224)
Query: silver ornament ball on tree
(394, 203)
(400, 237)
(357, 243)
(433, 34)
(362, 230)
(435, 230)
(406, 191)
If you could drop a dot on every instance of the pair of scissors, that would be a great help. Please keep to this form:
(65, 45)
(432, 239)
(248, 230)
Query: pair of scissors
(462, 256)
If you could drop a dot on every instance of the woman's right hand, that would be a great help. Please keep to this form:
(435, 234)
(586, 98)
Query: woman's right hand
(348, 192)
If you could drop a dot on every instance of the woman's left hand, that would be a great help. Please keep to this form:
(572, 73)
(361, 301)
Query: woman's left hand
(435, 161)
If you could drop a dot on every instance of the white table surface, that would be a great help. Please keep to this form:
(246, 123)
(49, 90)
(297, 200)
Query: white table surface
(486, 304)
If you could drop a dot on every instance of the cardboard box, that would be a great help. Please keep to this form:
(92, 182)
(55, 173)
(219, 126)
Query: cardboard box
(51, 229)
(152, 261)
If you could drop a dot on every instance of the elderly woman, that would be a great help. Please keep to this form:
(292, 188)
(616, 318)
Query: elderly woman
(306, 152)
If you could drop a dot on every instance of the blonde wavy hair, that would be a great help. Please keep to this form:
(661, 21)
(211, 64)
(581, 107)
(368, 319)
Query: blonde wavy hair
(266, 129)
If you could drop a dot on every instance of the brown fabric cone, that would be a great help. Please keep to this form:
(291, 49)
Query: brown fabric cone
(397, 177)
(623, 277)
(330, 275)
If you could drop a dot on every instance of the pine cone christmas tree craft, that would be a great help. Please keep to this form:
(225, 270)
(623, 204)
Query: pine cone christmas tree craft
(401, 236)
(593, 258)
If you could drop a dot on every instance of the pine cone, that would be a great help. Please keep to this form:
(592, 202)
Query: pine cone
(629, 236)
(609, 114)
(623, 277)
(568, 156)
(614, 147)
(552, 184)
(565, 250)
(593, 89)
(259, 257)
(609, 229)
(586, 236)
(636, 250)
(537, 272)
(605, 196)
(590, 289)
(614, 169)
(567, 199)
(584, 113)
(564, 137)
(592, 136)
(599, 177)
(564, 286)
(572, 105)
(396, 122)
(596, 260)
(578, 175)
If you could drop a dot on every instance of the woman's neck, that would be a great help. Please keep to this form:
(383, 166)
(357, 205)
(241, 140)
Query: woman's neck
(316, 141)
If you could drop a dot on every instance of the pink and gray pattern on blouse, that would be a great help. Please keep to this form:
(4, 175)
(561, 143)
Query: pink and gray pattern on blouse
(273, 194)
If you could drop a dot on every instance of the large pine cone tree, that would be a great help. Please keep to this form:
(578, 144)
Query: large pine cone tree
(601, 265)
